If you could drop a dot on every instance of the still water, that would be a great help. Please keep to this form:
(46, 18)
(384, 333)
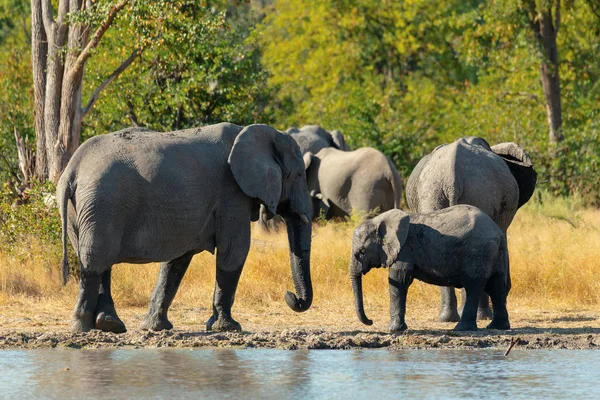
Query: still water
(301, 374)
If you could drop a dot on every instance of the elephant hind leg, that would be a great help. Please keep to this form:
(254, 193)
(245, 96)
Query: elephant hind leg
(107, 319)
(483, 309)
(84, 315)
(498, 290)
(448, 311)
(468, 319)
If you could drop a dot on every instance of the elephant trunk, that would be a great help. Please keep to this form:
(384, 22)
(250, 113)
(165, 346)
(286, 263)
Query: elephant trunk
(299, 231)
(356, 279)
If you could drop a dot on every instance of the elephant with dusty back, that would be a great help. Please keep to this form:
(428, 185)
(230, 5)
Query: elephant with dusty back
(496, 179)
(138, 196)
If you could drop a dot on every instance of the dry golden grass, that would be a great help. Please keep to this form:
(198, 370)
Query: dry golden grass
(554, 253)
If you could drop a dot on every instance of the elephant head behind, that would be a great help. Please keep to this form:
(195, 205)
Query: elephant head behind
(313, 138)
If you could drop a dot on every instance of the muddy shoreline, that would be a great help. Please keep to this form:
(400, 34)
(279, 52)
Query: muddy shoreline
(292, 339)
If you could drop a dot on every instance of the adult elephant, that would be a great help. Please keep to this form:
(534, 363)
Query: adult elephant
(313, 138)
(361, 180)
(138, 196)
(497, 179)
(310, 139)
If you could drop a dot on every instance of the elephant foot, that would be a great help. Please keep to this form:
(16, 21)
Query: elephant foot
(110, 322)
(484, 313)
(448, 315)
(83, 323)
(465, 326)
(500, 325)
(156, 323)
(396, 327)
(222, 324)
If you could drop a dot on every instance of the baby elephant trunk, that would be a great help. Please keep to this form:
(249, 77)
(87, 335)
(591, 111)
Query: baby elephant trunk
(356, 279)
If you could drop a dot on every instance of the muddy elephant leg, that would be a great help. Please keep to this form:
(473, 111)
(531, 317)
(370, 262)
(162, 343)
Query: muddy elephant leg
(107, 319)
(468, 319)
(233, 244)
(84, 315)
(399, 282)
(497, 289)
(223, 299)
(169, 278)
(448, 312)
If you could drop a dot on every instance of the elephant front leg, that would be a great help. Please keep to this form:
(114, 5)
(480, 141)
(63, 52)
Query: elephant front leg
(107, 319)
(399, 280)
(223, 299)
(169, 279)
(449, 311)
(84, 315)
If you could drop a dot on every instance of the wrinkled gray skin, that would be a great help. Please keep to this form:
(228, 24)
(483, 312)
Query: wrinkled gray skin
(310, 139)
(498, 180)
(363, 180)
(137, 196)
(459, 246)
(313, 138)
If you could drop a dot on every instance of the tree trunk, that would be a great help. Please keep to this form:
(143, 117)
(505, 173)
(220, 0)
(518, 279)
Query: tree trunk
(550, 76)
(59, 54)
(39, 56)
(545, 27)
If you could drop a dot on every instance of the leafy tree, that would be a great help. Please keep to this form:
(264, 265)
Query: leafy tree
(63, 41)
(186, 82)
(15, 83)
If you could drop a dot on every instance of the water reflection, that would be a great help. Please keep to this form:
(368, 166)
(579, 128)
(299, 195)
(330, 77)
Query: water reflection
(247, 373)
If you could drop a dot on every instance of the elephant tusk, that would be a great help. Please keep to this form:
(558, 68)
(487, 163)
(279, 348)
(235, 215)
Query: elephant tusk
(304, 218)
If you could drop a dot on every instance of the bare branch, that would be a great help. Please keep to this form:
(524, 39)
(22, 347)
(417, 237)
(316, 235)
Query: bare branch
(47, 16)
(95, 40)
(109, 80)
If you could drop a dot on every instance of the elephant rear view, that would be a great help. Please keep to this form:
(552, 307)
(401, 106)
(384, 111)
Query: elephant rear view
(362, 180)
(497, 180)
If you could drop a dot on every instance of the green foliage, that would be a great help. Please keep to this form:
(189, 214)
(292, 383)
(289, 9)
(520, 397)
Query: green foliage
(194, 70)
(37, 217)
(16, 92)
(407, 76)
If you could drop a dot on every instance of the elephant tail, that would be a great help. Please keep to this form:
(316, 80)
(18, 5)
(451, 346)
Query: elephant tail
(63, 195)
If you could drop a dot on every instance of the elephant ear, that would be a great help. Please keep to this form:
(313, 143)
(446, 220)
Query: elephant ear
(520, 166)
(254, 167)
(339, 140)
(393, 232)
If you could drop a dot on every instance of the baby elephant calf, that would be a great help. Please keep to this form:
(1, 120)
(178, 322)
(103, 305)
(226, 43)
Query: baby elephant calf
(458, 246)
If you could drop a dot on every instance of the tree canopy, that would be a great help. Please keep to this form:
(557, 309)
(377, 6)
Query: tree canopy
(399, 76)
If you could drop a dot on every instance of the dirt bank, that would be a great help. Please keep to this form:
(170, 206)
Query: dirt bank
(304, 339)
(533, 329)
